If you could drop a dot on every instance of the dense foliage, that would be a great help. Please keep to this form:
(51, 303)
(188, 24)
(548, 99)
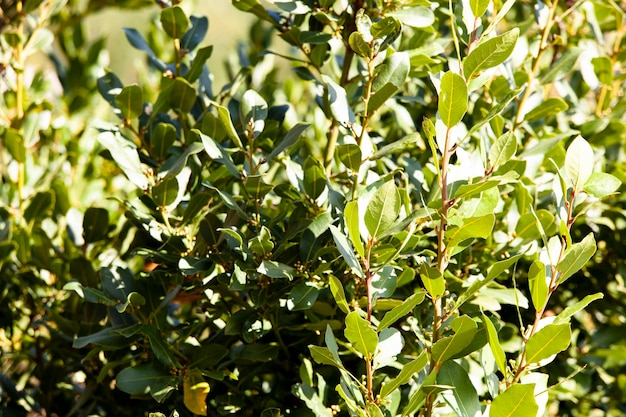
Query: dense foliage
(399, 207)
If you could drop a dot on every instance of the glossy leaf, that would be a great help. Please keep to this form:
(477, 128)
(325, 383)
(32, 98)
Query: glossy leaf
(579, 162)
(528, 228)
(352, 221)
(336, 288)
(383, 209)
(314, 181)
(564, 316)
(464, 399)
(407, 372)
(548, 341)
(198, 63)
(183, 95)
(163, 136)
(452, 99)
(291, 138)
(125, 155)
(196, 33)
(601, 184)
(161, 349)
(538, 286)
(401, 311)
(464, 330)
(275, 269)
(576, 257)
(350, 155)
(217, 153)
(418, 16)
(517, 401)
(433, 280)
(302, 296)
(494, 345)
(391, 76)
(473, 227)
(144, 379)
(165, 192)
(547, 108)
(502, 149)
(360, 334)
(175, 22)
(130, 102)
(254, 111)
(479, 7)
(490, 53)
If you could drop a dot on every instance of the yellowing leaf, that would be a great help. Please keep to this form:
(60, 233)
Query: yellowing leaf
(195, 391)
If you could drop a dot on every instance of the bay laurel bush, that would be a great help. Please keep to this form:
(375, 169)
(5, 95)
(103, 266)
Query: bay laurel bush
(381, 213)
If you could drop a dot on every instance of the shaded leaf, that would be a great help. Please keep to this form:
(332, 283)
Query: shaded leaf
(195, 391)
(130, 102)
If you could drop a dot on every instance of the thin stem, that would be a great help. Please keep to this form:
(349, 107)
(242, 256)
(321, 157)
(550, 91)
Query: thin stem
(535, 69)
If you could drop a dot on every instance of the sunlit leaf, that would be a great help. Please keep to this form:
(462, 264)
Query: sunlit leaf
(490, 53)
(452, 99)
(360, 334)
(548, 341)
(517, 401)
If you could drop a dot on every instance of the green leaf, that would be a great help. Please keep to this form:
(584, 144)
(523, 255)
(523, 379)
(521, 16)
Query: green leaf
(302, 296)
(253, 111)
(95, 224)
(494, 345)
(143, 379)
(391, 76)
(165, 192)
(563, 65)
(502, 149)
(336, 100)
(182, 96)
(91, 295)
(546, 109)
(576, 257)
(163, 352)
(174, 166)
(350, 155)
(174, 21)
(163, 136)
(352, 222)
(490, 53)
(470, 190)
(528, 228)
(262, 244)
(401, 311)
(579, 162)
(464, 330)
(256, 188)
(494, 112)
(517, 401)
(14, 142)
(472, 227)
(324, 356)
(310, 397)
(40, 206)
(601, 184)
(198, 63)
(548, 341)
(479, 7)
(602, 66)
(538, 286)
(314, 181)
(433, 280)
(408, 142)
(274, 269)
(360, 334)
(465, 398)
(383, 209)
(359, 45)
(130, 102)
(125, 155)
(227, 124)
(407, 372)
(217, 153)
(290, 139)
(565, 315)
(452, 99)
(336, 288)
(417, 17)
